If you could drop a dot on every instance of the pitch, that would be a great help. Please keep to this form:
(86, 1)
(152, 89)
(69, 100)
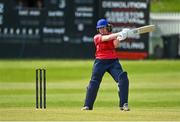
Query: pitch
(154, 91)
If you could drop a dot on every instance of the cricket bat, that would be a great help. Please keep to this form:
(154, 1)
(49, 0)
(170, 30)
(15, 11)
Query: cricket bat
(137, 31)
(143, 29)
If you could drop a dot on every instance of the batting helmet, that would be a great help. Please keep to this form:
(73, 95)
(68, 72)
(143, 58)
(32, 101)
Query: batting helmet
(101, 23)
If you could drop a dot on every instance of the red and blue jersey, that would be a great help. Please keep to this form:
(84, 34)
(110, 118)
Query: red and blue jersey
(104, 49)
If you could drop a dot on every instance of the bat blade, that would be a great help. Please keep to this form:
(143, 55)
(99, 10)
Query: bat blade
(143, 29)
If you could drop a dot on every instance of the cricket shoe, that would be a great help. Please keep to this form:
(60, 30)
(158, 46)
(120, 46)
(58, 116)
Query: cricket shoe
(85, 108)
(125, 107)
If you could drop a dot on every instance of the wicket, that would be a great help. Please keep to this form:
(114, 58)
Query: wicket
(40, 88)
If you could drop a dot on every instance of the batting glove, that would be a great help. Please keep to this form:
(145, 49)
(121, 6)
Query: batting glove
(126, 30)
(122, 35)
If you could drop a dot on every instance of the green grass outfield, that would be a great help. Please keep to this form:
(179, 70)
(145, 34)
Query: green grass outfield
(154, 91)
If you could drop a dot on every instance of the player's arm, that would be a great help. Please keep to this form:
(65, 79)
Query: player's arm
(111, 36)
(121, 35)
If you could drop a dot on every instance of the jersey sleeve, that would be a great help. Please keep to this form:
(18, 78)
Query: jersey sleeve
(97, 38)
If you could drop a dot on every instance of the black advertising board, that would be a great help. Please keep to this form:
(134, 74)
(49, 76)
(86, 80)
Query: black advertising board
(128, 14)
(55, 28)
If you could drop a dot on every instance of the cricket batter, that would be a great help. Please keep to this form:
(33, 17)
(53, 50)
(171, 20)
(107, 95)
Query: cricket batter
(107, 61)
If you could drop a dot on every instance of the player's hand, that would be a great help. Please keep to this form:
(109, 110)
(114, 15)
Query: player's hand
(123, 34)
(126, 30)
(129, 32)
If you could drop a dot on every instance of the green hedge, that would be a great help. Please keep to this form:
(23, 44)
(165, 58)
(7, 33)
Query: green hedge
(165, 5)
